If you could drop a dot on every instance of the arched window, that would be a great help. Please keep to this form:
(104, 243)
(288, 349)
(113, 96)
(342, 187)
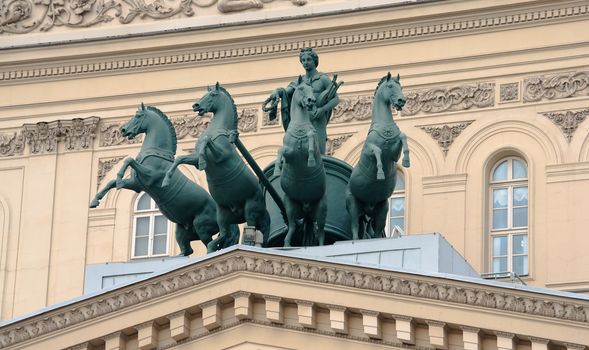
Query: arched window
(396, 224)
(150, 229)
(508, 222)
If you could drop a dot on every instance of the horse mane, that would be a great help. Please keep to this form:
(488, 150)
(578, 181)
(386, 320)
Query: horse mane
(382, 80)
(232, 103)
(168, 124)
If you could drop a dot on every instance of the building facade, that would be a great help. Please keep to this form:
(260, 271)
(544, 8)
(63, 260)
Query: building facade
(497, 97)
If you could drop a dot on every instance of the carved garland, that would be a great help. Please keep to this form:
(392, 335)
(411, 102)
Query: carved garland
(454, 98)
(308, 271)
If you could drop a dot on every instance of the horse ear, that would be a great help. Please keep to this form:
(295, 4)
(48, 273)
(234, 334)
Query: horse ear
(388, 76)
(217, 86)
(398, 78)
(142, 106)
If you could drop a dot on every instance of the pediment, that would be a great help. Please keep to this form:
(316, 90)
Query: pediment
(231, 297)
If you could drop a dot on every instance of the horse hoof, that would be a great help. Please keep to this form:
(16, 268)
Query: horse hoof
(311, 162)
(406, 163)
(287, 244)
(119, 184)
(277, 171)
(187, 252)
(166, 182)
(380, 175)
(94, 203)
(202, 165)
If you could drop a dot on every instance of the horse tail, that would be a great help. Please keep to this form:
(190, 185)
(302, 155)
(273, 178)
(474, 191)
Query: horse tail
(406, 161)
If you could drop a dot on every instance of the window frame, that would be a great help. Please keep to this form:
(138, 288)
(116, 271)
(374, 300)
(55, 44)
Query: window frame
(510, 231)
(150, 213)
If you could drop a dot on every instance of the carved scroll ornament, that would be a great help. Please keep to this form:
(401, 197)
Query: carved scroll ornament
(334, 143)
(77, 134)
(557, 86)
(24, 16)
(353, 108)
(455, 98)
(568, 121)
(12, 144)
(445, 134)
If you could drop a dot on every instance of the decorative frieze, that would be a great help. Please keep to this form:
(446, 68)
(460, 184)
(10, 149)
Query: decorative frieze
(445, 291)
(356, 108)
(76, 134)
(509, 92)
(446, 99)
(334, 143)
(104, 166)
(568, 121)
(110, 135)
(12, 144)
(445, 134)
(266, 122)
(24, 16)
(192, 126)
(556, 86)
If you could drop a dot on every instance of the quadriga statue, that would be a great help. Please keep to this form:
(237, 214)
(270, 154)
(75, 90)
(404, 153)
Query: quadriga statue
(233, 186)
(373, 179)
(300, 167)
(183, 201)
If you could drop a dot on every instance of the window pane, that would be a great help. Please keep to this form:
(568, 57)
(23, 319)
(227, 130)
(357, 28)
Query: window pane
(520, 196)
(500, 246)
(500, 264)
(520, 265)
(499, 218)
(397, 206)
(161, 225)
(520, 217)
(500, 172)
(141, 246)
(519, 170)
(159, 244)
(400, 184)
(398, 222)
(520, 244)
(142, 227)
(144, 202)
(500, 198)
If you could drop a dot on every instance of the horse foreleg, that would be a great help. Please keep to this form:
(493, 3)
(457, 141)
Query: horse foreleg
(278, 163)
(291, 213)
(223, 215)
(378, 157)
(379, 220)
(129, 184)
(202, 154)
(191, 159)
(183, 239)
(311, 163)
(150, 174)
(406, 161)
(353, 208)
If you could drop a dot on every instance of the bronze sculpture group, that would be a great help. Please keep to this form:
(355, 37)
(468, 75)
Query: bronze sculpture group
(236, 195)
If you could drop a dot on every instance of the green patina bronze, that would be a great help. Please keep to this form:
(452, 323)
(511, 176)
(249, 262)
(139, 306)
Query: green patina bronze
(183, 201)
(300, 166)
(374, 177)
(233, 186)
(324, 90)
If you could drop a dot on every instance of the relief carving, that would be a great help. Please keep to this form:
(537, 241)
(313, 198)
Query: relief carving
(111, 136)
(334, 143)
(445, 134)
(77, 134)
(354, 108)
(192, 126)
(12, 145)
(247, 120)
(24, 16)
(568, 121)
(447, 99)
(105, 165)
(557, 86)
(509, 92)
(118, 300)
(274, 122)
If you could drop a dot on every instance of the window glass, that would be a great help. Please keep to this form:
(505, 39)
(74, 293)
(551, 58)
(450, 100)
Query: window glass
(144, 202)
(150, 236)
(519, 170)
(500, 173)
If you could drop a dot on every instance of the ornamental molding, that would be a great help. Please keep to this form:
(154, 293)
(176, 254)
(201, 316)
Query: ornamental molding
(189, 125)
(445, 134)
(414, 31)
(568, 121)
(104, 166)
(555, 86)
(76, 134)
(356, 108)
(247, 119)
(336, 142)
(12, 144)
(110, 135)
(467, 294)
(447, 99)
(509, 92)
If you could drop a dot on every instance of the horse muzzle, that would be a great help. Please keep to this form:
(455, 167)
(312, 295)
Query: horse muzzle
(398, 104)
(127, 133)
(198, 109)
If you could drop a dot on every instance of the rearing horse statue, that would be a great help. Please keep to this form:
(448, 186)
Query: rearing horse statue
(233, 186)
(302, 175)
(183, 202)
(373, 179)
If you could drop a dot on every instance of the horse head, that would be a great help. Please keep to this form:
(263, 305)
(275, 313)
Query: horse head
(303, 95)
(135, 125)
(208, 103)
(389, 88)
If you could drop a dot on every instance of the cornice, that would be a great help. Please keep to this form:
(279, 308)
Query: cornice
(278, 266)
(287, 46)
